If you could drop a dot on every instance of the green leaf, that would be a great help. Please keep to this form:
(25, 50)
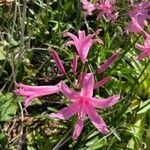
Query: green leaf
(8, 107)
(2, 53)
(144, 107)
(3, 140)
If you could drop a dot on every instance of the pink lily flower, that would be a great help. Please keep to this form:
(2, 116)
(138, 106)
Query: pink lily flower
(107, 9)
(31, 92)
(139, 13)
(108, 62)
(88, 7)
(134, 26)
(58, 62)
(144, 48)
(82, 43)
(83, 104)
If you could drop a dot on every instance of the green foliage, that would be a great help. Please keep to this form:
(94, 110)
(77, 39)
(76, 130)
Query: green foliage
(8, 107)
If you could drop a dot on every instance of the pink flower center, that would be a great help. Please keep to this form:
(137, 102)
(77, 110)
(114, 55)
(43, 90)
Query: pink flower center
(106, 8)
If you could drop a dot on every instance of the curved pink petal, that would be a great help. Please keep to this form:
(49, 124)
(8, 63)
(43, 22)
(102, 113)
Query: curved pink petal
(98, 40)
(72, 36)
(99, 15)
(131, 28)
(147, 41)
(89, 37)
(71, 94)
(141, 47)
(88, 85)
(69, 43)
(98, 31)
(28, 100)
(58, 62)
(81, 35)
(97, 120)
(109, 2)
(66, 112)
(108, 62)
(78, 129)
(104, 103)
(136, 23)
(86, 45)
(141, 56)
(102, 82)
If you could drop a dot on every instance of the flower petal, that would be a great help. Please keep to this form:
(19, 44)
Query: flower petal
(97, 120)
(66, 112)
(28, 100)
(99, 15)
(104, 103)
(72, 36)
(78, 129)
(147, 41)
(69, 43)
(141, 56)
(141, 47)
(136, 24)
(88, 7)
(23, 92)
(85, 47)
(35, 88)
(31, 92)
(88, 85)
(98, 41)
(71, 94)
(81, 35)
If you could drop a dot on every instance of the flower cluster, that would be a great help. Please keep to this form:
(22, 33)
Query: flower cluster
(139, 15)
(83, 104)
(106, 9)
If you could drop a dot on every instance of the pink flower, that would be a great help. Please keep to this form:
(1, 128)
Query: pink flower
(107, 9)
(144, 48)
(58, 62)
(88, 7)
(82, 43)
(139, 13)
(108, 62)
(83, 104)
(31, 92)
(134, 26)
